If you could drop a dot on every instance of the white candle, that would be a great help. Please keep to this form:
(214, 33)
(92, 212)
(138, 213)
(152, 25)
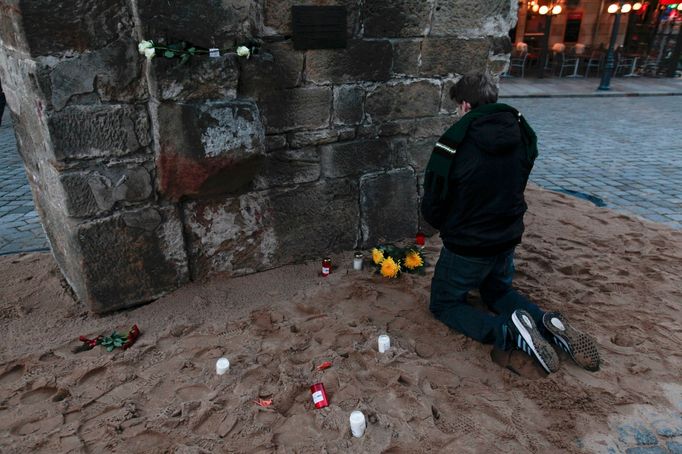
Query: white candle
(222, 366)
(384, 343)
(357, 423)
(357, 261)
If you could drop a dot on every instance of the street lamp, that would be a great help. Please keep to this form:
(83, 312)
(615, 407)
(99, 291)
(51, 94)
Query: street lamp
(617, 9)
(548, 11)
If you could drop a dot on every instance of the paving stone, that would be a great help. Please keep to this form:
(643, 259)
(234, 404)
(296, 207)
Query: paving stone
(643, 184)
(652, 450)
(675, 447)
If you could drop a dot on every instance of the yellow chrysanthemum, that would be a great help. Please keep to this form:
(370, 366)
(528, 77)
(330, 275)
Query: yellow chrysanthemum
(413, 260)
(389, 268)
(377, 256)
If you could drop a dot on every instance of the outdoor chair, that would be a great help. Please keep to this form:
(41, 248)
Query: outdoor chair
(595, 61)
(569, 62)
(623, 64)
(517, 60)
(650, 66)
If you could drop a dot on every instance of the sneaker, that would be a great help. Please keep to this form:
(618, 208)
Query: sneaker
(527, 338)
(581, 347)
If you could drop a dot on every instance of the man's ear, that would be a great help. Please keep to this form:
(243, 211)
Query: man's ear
(466, 106)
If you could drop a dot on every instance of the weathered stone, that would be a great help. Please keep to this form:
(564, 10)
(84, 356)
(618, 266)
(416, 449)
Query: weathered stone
(346, 134)
(449, 56)
(204, 23)
(278, 14)
(403, 100)
(447, 104)
(419, 152)
(472, 18)
(277, 66)
(500, 45)
(498, 65)
(275, 142)
(117, 68)
(307, 138)
(260, 230)
(424, 226)
(94, 131)
(298, 108)
(200, 78)
(288, 167)
(417, 128)
(219, 149)
(388, 206)
(88, 193)
(396, 18)
(358, 157)
(348, 105)
(26, 100)
(432, 126)
(131, 258)
(406, 55)
(11, 29)
(360, 61)
(370, 131)
(55, 27)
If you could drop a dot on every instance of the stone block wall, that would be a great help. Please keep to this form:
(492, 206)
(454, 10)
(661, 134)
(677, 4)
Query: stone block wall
(148, 173)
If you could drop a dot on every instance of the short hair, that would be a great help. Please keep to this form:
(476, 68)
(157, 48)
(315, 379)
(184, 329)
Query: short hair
(476, 88)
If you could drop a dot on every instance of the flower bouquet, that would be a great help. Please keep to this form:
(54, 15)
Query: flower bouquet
(185, 51)
(390, 260)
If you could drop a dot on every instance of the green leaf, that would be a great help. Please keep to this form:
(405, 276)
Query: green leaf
(192, 50)
(169, 54)
(110, 348)
(184, 59)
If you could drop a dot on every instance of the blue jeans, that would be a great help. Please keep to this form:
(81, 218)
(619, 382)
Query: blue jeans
(452, 279)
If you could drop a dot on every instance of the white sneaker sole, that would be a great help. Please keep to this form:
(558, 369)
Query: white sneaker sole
(523, 331)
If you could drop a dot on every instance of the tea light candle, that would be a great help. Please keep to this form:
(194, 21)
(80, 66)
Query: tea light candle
(357, 424)
(222, 366)
(357, 261)
(384, 343)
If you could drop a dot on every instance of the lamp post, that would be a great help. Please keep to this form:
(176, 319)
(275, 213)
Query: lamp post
(617, 9)
(548, 11)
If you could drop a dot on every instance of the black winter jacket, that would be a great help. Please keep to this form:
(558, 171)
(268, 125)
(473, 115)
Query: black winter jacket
(482, 214)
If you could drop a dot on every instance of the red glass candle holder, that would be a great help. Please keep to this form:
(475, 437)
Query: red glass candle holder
(319, 395)
(420, 239)
(326, 266)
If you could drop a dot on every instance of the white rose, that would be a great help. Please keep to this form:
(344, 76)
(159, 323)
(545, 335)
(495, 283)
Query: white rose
(149, 53)
(144, 45)
(243, 51)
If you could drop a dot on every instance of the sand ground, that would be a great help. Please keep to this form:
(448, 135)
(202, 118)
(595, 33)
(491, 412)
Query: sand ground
(614, 276)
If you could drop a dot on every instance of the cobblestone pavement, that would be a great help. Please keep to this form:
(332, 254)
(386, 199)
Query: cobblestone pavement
(20, 228)
(626, 151)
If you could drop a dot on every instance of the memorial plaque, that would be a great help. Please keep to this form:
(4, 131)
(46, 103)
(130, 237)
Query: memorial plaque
(319, 27)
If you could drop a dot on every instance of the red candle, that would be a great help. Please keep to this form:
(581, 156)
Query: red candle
(319, 395)
(326, 267)
(420, 239)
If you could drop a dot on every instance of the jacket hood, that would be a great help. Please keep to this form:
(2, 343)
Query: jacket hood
(496, 133)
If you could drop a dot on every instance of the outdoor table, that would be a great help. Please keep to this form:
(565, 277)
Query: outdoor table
(576, 66)
(632, 73)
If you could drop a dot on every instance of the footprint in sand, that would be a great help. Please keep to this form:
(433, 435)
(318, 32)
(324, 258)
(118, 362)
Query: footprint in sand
(35, 425)
(38, 395)
(192, 393)
(91, 375)
(623, 339)
(12, 375)
(148, 441)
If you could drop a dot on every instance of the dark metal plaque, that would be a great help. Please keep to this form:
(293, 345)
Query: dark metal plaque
(319, 27)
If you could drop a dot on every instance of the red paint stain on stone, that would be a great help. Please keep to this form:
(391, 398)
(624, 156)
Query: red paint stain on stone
(183, 176)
